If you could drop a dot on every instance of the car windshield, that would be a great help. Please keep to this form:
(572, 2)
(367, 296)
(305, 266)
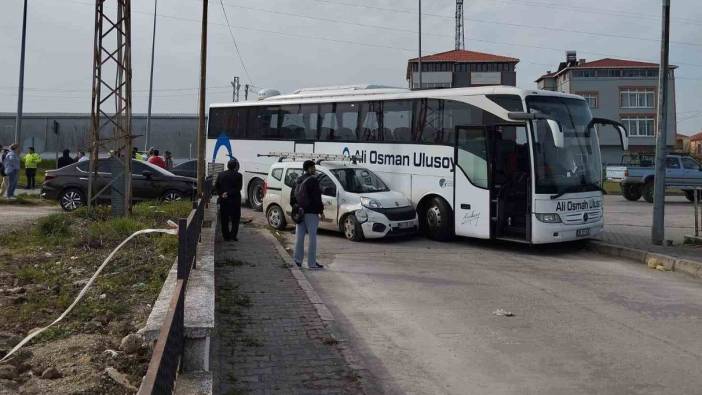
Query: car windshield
(576, 167)
(358, 180)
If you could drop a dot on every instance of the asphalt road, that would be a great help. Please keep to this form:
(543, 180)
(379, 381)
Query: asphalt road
(422, 314)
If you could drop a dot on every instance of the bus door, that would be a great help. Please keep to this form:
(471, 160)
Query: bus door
(510, 192)
(471, 187)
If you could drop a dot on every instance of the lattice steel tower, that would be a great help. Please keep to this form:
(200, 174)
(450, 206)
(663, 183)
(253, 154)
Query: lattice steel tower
(460, 34)
(112, 103)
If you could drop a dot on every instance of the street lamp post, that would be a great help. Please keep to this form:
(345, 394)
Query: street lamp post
(20, 93)
(151, 82)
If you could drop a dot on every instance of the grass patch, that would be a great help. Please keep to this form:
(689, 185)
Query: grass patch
(54, 257)
(25, 200)
(46, 164)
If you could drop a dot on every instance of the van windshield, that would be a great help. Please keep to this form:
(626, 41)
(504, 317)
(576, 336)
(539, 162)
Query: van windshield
(359, 180)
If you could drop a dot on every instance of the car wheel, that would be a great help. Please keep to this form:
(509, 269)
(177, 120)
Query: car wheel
(352, 228)
(631, 192)
(437, 220)
(256, 194)
(172, 196)
(276, 217)
(648, 191)
(690, 195)
(71, 199)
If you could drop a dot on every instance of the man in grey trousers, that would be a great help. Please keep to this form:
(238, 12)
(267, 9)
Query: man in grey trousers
(308, 196)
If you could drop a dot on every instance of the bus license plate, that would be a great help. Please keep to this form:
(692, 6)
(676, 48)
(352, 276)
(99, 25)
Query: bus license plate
(404, 225)
(583, 232)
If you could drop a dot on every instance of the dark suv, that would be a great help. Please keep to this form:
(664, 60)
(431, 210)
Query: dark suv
(69, 185)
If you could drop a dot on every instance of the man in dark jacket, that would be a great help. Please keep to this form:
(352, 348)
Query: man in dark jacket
(65, 160)
(308, 195)
(228, 186)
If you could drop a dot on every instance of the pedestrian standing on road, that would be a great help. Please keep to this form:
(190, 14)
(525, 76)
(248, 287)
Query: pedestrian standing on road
(154, 159)
(31, 163)
(169, 160)
(308, 196)
(11, 163)
(64, 160)
(228, 187)
(4, 180)
(81, 157)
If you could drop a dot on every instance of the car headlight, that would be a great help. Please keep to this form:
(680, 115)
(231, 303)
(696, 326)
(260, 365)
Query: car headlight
(370, 203)
(549, 218)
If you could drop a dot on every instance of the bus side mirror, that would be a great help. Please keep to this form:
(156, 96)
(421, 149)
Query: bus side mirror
(623, 135)
(558, 138)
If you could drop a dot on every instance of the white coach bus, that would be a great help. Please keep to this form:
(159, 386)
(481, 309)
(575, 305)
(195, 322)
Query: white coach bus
(487, 162)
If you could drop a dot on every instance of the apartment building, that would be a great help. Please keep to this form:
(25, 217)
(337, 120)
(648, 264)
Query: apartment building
(619, 89)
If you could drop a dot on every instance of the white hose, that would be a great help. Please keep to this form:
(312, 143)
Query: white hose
(172, 231)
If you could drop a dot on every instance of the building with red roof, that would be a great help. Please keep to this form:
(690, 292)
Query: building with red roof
(619, 89)
(461, 68)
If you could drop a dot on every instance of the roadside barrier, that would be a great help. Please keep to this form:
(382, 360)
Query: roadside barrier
(166, 360)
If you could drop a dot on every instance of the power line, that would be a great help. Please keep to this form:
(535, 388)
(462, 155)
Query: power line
(231, 33)
(609, 35)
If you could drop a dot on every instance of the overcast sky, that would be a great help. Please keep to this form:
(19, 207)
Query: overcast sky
(288, 44)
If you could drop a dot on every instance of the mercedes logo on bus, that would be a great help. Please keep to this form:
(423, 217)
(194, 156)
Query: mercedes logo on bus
(585, 217)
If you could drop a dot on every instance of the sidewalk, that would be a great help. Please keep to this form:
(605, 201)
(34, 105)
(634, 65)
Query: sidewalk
(269, 336)
(628, 224)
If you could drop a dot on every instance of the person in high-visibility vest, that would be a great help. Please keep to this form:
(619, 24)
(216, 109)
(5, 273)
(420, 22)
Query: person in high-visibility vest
(31, 163)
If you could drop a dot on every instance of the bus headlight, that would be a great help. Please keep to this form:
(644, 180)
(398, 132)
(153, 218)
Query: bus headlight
(361, 215)
(370, 203)
(549, 218)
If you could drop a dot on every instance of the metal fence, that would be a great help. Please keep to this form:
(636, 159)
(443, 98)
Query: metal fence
(166, 359)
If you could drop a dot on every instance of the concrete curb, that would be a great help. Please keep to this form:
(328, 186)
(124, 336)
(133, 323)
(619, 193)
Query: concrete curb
(650, 259)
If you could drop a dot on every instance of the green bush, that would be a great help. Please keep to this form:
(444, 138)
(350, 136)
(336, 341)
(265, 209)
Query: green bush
(54, 225)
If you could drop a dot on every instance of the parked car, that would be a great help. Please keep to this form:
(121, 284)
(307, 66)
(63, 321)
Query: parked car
(69, 185)
(186, 169)
(636, 178)
(356, 201)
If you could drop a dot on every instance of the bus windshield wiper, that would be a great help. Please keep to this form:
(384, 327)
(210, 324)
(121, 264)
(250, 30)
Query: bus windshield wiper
(577, 188)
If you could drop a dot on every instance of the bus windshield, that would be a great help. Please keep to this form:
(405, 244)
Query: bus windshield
(358, 180)
(577, 166)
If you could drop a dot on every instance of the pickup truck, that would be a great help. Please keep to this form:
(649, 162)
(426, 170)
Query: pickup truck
(636, 179)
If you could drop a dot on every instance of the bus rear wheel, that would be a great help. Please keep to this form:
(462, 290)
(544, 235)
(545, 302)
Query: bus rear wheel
(436, 220)
(631, 192)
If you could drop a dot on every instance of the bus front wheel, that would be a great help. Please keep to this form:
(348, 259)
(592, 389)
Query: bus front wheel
(436, 220)
(256, 194)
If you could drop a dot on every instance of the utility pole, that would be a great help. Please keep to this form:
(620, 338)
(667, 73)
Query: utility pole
(657, 231)
(246, 92)
(203, 81)
(151, 82)
(236, 87)
(460, 33)
(420, 44)
(20, 93)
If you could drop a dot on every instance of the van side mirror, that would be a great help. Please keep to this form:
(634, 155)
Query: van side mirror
(557, 133)
(329, 191)
(623, 134)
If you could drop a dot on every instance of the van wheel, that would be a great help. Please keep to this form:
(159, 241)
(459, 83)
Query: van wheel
(352, 228)
(648, 191)
(436, 220)
(71, 199)
(276, 217)
(631, 192)
(255, 194)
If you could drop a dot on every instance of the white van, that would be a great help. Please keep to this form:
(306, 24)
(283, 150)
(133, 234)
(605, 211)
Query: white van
(356, 201)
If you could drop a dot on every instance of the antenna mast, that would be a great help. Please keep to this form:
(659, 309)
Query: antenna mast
(460, 34)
